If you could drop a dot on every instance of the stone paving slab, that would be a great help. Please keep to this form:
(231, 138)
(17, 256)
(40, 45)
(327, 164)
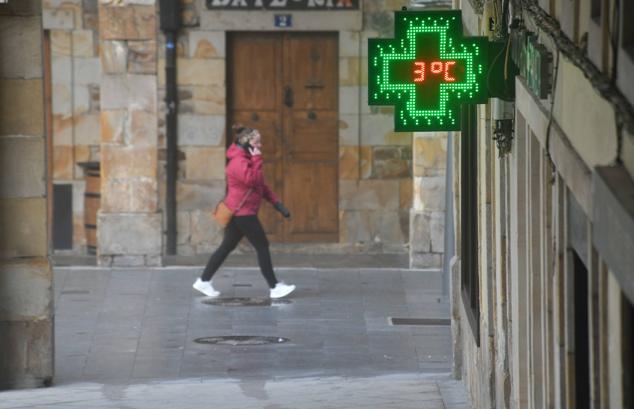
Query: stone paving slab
(131, 332)
(389, 391)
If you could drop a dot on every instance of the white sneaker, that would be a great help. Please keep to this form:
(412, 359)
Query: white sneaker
(281, 290)
(206, 288)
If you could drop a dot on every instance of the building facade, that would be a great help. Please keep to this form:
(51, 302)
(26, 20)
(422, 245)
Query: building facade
(351, 183)
(543, 283)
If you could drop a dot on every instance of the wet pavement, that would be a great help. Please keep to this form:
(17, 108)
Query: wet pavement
(125, 338)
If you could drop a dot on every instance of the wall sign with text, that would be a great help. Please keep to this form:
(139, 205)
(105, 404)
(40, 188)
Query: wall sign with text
(304, 5)
(428, 70)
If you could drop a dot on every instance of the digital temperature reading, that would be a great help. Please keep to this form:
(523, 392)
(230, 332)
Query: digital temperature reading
(428, 70)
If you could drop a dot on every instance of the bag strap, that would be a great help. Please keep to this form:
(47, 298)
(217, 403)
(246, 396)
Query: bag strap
(244, 200)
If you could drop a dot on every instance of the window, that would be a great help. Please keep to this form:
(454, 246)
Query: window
(470, 283)
(581, 343)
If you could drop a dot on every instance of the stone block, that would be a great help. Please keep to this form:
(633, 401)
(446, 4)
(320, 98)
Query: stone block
(202, 130)
(23, 228)
(437, 228)
(387, 163)
(79, 231)
(369, 195)
(26, 364)
(196, 71)
(86, 71)
(62, 130)
(429, 193)
(87, 129)
(81, 153)
(205, 163)
(59, 18)
(26, 289)
(63, 162)
(349, 71)
(142, 130)
(429, 153)
(205, 233)
(200, 195)
(119, 162)
(129, 233)
(183, 228)
(129, 195)
(81, 99)
(128, 261)
(406, 191)
(114, 57)
(371, 226)
(62, 102)
(420, 232)
(349, 97)
(142, 57)
(61, 70)
(24, 8)
(349, 162)
(206, 44)
(113, 124)
(134, 92)
(21, 107)
(378, 129)
(22, 172)
(203, 100)
(61, 43)
(426, 260)
(348, 130)
(21, 47)
(79, 188)
(127, 22)
(83, 43)
(349, 45)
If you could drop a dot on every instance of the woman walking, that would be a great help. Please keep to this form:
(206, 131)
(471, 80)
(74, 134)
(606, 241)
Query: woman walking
(246, 188)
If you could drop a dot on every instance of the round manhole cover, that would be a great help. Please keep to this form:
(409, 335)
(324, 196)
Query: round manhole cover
(241, 340)
(244, 302)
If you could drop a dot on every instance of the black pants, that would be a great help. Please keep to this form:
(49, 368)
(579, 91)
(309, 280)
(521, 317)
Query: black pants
(239, 227)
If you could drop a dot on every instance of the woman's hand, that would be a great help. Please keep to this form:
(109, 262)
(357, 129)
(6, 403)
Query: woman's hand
(254, 151)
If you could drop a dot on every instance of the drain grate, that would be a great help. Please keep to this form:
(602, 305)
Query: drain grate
(244, 302)
(420, 321)
(241, 340)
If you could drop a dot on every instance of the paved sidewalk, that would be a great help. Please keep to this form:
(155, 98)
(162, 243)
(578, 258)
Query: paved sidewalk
(125, 339)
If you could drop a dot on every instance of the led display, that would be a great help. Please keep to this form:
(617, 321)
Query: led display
(427, 71)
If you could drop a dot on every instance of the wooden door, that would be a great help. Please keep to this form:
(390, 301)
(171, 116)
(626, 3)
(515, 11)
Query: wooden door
(286, 85)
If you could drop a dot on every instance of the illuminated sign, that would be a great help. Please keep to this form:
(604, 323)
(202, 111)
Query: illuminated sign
(428, 70)
(534, 61)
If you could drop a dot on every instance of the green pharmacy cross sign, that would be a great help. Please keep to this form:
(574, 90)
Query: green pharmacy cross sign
(428, 70)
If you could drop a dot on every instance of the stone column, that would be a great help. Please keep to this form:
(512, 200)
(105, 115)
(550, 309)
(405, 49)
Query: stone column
(129, 224)
(427, 217)
(26, 296)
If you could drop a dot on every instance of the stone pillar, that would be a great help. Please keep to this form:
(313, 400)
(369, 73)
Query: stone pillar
(129, 224)
(427, 218)
(26, 296)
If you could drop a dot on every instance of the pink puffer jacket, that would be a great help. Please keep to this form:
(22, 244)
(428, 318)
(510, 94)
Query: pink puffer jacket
(243, 172)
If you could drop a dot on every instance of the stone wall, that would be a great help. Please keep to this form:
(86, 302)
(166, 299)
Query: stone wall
(128, 223)
(26, 296)
(201, 130)
(375, 194)
(427, 217)
(76, 84)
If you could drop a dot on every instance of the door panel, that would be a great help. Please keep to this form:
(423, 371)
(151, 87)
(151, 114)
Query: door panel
(285, 85)
(312, 63)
